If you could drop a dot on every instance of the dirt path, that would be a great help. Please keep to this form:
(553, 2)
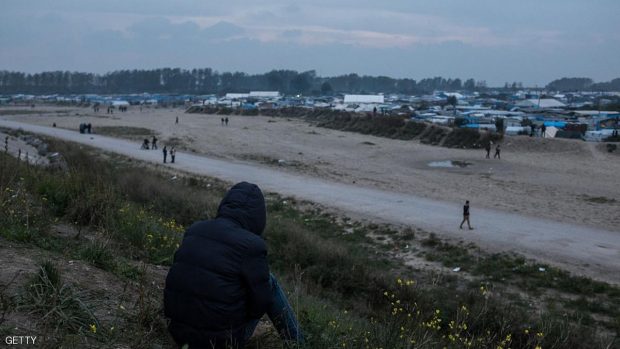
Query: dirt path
(584, 250)
(557, 179)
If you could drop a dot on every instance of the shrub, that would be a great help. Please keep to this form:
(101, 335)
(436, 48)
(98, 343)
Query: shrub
(61, 308)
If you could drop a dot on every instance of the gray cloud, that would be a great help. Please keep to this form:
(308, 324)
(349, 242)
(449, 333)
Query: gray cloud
(531, 41)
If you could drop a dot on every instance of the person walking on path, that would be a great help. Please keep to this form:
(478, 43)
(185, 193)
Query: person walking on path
(154, 143)
(176, 122)
(222, 121)
(466, 216)
(219, 284)
(497, 152)
(226, 121)
(488, 149)
(165, 151)
(173, 153)
(543, 129)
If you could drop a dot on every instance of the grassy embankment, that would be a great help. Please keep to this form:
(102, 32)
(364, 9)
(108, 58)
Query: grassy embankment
(125, 221)
(389, 126)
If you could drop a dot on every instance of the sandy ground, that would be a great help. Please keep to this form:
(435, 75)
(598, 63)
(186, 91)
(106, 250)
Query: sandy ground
(555, 179)
(330, 161)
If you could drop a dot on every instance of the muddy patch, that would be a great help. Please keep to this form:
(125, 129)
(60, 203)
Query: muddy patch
(450, 164)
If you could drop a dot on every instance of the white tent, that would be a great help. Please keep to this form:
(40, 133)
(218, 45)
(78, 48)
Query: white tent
(551, 131)
(363, 99)
(120, 103)
(237, 95)
(265, 94)
(541, 103)
(597, 136)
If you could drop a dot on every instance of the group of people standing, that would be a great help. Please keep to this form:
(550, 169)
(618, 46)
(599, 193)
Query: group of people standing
(498, 150)
(173, 154)
(84, 128)
(543, 130)
(153, 145)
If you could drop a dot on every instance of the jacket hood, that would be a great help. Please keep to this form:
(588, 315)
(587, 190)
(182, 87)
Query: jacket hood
(245, 204)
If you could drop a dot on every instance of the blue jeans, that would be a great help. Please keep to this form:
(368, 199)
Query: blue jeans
(281, 315)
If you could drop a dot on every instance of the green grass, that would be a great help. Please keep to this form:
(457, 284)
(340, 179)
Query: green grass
(135, 216)
(62, 308)
(599, 199)
(100, 255)
(533, 278)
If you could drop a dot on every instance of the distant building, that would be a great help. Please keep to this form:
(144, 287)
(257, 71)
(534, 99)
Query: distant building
(544, 103)
(363, 99)
(119, 103)
(265, 94)
(237, 95)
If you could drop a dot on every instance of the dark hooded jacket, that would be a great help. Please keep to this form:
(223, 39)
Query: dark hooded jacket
(219, 280)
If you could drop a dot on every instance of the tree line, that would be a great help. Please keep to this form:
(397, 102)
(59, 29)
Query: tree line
(208, 81)
(583, 84)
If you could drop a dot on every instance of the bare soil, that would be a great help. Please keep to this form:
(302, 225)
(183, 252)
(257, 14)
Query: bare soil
(545, 178)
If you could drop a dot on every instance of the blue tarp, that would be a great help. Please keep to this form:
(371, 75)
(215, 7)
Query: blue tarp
(558, 124)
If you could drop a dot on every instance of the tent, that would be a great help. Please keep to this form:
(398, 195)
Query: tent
(551, 131)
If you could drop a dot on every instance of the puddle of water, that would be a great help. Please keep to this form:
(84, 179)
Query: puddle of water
(449, 164)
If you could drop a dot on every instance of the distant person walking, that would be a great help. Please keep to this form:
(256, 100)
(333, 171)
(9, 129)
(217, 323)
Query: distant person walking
(497, 152)
(543, 130)
(165, 151)
(154, 143)
(222, 121)
(176, 122)
(488, 149)
(466, 216)
(173, 153)
(226, 121)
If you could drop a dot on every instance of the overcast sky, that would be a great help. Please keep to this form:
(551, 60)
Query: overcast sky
(532, 41)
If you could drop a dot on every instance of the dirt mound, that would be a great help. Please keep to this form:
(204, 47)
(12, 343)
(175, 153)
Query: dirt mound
(527, 144)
